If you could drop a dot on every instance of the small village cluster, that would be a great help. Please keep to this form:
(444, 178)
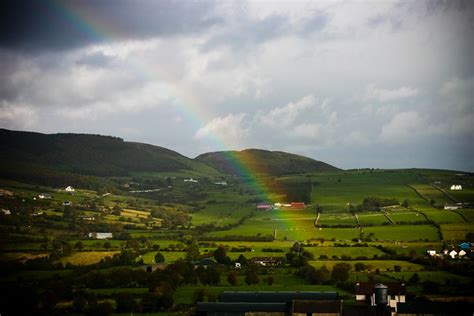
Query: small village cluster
(284, 206)
(459, 252)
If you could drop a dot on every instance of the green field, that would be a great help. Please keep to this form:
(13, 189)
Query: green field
(456, 232)
(382, 265)
(444, 216)
(403, 232)
(87, 257)
(431, 193)
(437, 276)
(335, 190)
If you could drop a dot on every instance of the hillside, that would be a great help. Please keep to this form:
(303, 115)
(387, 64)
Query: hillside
(88, 155)
(264, 162)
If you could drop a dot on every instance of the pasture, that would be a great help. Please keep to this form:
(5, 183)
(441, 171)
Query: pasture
(87, 257)
(456, 232)
(221, 214)
(444, 216)
(170, 256)
(335, 190)
(437, 276)
(402, 232)
(406, 216)
(430, 192)
(382, 265)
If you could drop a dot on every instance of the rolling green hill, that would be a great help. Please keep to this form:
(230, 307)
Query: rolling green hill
(275, 163)
(88, 155)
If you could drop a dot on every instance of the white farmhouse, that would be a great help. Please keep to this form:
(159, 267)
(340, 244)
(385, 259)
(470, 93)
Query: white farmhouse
(453, 253)
(456, 187)
(100, 235)
(191, 180)
(69, 189)
(461, 253)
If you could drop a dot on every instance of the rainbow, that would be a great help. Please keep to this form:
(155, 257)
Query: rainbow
(80, 16)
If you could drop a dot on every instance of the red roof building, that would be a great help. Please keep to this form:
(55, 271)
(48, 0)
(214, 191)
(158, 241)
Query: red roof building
(297, 205)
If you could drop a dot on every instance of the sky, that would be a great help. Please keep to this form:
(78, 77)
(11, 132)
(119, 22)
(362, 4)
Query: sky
(356, 84)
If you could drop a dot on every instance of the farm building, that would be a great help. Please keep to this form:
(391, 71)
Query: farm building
(69, 189)
(100, 235)
(191, 180)
(465, 245)
(453, 206)
(272, 303)
(297, 205)
(44, 196)
(264, 206)
(453, 253)
(86, 217)
(67, 203)
(267, 261)
(396, 293)
(6, 211)
(456, 187)
(206, 262)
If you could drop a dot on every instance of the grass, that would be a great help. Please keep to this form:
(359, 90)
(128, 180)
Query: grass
(437, 276)
(87, 257)
(403, 232)
(20, 256)
(170, 256)
(431, 193)
(444, 216)
(468, 214)
(406, 216)
(382, 265)
(221, 214)
(372, 219)
(352, 252)
(456, 232)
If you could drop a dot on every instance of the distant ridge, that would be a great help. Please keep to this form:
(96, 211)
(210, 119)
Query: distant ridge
(23, 154)
(89, 155)
(264, 162)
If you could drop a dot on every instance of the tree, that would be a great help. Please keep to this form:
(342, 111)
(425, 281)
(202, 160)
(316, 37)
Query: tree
(242, 260)
(270, 280)
(192, 251)
(359, 266)
(251, 277)
(340, 272)
(107, 245)
(397, 268)
(199, 295)
(125, 303)
(159, 258)
(232, 278)
(414, 278)
(79, 245)
(220, 254)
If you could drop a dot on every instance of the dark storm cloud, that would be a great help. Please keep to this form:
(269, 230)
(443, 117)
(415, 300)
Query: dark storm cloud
(53, 25)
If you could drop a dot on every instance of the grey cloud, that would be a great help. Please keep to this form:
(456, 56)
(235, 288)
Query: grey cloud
(54, 25)
(97, 59)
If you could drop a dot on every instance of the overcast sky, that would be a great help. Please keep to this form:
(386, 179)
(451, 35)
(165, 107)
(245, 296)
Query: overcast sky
(355, 84)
